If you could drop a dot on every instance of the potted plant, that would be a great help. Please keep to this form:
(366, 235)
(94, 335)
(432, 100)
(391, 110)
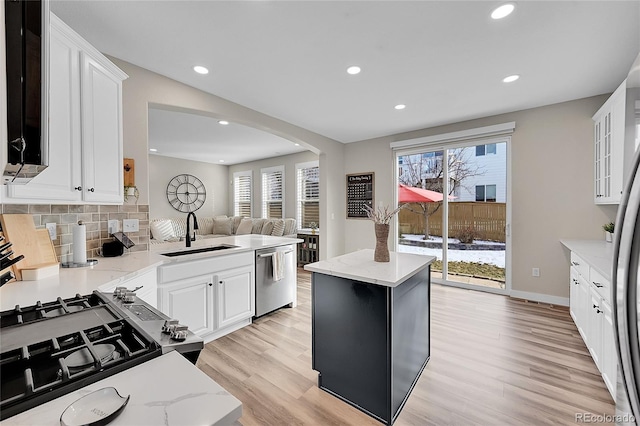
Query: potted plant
(313, 227)
(608, 231)
(131, 191)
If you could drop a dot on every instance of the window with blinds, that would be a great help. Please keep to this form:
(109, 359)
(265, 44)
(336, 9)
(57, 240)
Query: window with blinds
(242, 194)
(273, 192)
(308, 182)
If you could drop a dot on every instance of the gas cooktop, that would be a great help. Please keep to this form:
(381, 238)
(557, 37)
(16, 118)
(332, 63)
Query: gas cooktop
(50, 349)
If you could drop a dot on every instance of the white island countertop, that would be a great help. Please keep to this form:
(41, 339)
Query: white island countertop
(360, 266)
(597, 253)
(166, 390)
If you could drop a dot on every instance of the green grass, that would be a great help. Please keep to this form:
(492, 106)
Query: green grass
(472, 269)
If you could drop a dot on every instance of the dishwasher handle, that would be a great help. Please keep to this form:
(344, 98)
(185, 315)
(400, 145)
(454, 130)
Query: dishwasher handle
(271, 254)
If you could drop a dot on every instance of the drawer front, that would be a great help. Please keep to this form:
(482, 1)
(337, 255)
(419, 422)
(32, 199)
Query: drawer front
(601, 284)
(581, 266)
(192, 268)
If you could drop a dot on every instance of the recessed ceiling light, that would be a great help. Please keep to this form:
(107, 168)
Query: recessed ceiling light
(502, 11)
(353, 70)
(153, 150)
(400, 106)
(296, 144)
(222, 161)
(511, 78)
(200, 69)
(223, 122)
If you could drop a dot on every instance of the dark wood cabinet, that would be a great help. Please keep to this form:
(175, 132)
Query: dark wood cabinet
(309, 249)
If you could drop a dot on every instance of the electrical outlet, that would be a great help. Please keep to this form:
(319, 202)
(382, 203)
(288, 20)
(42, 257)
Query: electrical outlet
(51, 227)
(113, 226)
(130, 225)
(535, 272)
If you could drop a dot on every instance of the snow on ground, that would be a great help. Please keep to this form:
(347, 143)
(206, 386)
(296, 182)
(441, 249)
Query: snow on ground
(480, 256)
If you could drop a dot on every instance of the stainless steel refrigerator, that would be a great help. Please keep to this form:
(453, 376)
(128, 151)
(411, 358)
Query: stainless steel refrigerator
(626, 265)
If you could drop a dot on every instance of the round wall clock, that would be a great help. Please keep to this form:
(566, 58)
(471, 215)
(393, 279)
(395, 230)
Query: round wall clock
(186, 193)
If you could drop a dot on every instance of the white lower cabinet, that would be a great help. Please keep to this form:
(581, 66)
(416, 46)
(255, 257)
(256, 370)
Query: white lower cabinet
(590, 307)
(213, 296)
(190, 301)
(236, 295)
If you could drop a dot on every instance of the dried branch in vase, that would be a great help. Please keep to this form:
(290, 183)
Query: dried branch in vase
(382, 216)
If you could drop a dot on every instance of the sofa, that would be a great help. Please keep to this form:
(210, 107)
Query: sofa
(171, 230)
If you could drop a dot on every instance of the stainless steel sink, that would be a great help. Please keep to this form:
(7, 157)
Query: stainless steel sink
(199, 250)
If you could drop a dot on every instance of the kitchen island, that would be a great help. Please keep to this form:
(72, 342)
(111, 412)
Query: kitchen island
(370, 328)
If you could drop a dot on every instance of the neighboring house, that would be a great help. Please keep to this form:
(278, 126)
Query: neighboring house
(490, 184)
(483, 176)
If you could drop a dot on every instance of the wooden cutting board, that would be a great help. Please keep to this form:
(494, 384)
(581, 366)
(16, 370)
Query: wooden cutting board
(20, 230)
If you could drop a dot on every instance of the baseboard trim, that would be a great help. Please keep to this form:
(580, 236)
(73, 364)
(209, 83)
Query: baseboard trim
(539, 297)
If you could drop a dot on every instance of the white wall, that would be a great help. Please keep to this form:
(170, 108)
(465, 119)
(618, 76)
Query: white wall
(552, 194)
(213, 176)
(289, 162)
(144, 88)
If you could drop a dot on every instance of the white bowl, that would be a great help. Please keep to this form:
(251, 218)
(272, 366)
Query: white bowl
(97, 408)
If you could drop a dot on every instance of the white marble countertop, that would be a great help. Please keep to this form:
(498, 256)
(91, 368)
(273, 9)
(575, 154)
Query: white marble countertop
(598, 254)
(72, 281)
(244, 243)
(167, 390)
(114, 270)
(360, 266)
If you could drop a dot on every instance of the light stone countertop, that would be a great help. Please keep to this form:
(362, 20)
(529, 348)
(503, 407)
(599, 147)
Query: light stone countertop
(598, 254)
(360, 266)
(72, 281)
(247, 242)
(172, 392)
(114, 270)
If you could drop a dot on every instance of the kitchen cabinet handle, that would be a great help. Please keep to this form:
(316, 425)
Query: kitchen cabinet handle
(91, 189)
(575, 263)
(596, 307)
(597, 284)
(576, 282)
(78, 188)
(598, 311)
(221, 282)
(210, 284)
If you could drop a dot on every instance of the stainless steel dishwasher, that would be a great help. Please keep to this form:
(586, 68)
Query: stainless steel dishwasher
(272, 294)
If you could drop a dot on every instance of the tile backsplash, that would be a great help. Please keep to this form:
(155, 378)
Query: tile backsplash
(95, 217)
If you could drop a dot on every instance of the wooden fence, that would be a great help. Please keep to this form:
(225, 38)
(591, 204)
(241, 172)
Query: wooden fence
(488, 220)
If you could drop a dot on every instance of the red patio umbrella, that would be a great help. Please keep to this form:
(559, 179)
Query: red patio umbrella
(410, 194)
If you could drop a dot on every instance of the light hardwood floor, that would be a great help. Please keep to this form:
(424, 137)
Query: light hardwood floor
(494, 361)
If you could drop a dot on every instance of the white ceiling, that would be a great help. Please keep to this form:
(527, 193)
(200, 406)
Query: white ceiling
(444, 59)
(201, 138)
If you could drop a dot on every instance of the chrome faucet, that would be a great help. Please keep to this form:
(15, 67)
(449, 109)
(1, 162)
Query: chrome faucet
(187, 237)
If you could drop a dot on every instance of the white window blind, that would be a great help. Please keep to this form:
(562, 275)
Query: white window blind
(242, 194)
(273, 192)
(308, 183)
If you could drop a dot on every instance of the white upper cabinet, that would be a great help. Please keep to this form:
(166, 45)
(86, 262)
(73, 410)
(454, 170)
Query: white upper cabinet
(101, 132)
(609, 148)
(85, 122)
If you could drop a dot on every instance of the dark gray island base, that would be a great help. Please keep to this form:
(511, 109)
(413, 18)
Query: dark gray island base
(371, 340)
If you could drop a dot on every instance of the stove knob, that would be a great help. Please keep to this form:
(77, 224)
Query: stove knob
(129, 297)
(180, 332)
(169, 325)
(119, 292)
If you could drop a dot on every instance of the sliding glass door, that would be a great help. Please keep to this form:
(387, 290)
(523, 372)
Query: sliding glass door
(456, 205)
